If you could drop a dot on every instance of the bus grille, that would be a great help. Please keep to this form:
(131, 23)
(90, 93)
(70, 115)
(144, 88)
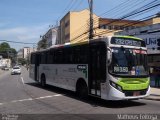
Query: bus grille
(135, 92)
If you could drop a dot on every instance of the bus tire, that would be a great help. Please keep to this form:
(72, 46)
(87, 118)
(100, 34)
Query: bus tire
(82, 90)
(43, 80)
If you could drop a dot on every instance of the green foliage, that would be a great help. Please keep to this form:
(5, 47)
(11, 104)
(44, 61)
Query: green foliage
(22, 61)
(6, 51)
(42, 44)
(4, 46)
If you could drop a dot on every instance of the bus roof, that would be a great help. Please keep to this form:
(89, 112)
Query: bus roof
(124, 36)
(87, 42)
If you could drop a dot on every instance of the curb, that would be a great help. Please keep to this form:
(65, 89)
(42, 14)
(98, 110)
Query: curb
(150, 98)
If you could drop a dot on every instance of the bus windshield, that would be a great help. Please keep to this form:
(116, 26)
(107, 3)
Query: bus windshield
(129, 62)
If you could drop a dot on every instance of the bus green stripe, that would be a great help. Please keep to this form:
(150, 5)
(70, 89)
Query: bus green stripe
(134, 83)
(129, 37)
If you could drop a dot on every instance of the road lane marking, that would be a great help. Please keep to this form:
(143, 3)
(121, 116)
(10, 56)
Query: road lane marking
(48, 96)
(31, 99)
(13, 101)
(1, 103)
(22, 80)
(58, 95)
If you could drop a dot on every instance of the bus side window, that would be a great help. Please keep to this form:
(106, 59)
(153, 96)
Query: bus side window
(71, 55)
(83, 54)
(33, 59)
(66, 55)
(49, 57)
(43, 58)
(52, 56)
(77, 55)
(59, 56)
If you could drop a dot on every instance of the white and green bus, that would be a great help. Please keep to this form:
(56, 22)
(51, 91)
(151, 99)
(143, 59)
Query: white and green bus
(111, 68)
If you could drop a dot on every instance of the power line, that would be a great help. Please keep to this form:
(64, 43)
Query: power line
(65, 9)
(126, 16)
(17, 42)
(69, 6)
(127, 25)
(78, 5)
(120, 6)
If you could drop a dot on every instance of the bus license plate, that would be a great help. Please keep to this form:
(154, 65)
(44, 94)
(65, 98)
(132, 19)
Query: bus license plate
(136, 93)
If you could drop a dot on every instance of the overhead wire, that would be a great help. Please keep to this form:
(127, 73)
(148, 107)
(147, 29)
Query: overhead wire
(120, 6)
(86, 26)
(66, 9)
(78, 5)
(128, 15)
(128, 25)
(17, 42)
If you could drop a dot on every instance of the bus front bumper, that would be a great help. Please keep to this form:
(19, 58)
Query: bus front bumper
(115, 94)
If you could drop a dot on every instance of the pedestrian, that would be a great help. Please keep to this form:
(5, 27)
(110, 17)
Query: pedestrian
(157, 80)
(27, 67)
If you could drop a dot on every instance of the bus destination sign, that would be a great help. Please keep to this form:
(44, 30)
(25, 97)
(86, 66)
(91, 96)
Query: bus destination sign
(125, 41)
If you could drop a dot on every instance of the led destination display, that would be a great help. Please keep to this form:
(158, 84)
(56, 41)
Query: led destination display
(127, 41)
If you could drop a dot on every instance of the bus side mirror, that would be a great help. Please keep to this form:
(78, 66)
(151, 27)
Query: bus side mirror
(109, 56)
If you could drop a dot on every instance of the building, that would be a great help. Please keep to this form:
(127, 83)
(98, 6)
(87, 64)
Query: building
(25, 52)
(20, 53)
(51, 36)
(74, 26)
(5, 62)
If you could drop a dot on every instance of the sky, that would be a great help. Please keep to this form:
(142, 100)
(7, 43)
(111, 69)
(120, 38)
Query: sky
(26, 20)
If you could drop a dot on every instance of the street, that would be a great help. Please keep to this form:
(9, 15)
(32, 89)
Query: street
(21, 95)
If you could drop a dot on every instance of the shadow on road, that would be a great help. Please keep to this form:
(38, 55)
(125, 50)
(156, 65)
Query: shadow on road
(95, 102)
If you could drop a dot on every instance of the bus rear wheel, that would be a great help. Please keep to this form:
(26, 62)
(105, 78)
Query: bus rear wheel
(82, 90)
(43, 81)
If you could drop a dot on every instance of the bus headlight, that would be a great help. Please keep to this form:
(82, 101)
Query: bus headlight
(116, 86)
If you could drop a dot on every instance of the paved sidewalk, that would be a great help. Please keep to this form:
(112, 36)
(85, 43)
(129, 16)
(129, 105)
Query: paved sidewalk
(1, 71)
(154, 94)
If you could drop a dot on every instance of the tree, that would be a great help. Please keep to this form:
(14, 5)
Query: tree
(42, 44)
(7, 52)
(4, 46)
(22, 61)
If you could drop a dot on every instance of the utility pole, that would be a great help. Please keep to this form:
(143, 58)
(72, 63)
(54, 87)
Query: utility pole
(90, 2)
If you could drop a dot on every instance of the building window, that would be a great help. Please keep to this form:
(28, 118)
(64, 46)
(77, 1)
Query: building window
(67, 24)
(110, 27)
(67, 36)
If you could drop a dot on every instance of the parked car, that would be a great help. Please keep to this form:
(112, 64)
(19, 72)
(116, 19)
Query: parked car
(5, 68)
(16, 70)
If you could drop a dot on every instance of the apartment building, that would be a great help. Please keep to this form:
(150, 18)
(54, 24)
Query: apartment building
(74, 26)
(25, 52)
(51, 36)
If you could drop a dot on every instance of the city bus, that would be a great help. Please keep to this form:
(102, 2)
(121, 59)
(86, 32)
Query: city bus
(110, 68)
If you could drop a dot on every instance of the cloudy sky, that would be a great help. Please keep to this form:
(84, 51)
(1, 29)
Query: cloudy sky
(26, 20)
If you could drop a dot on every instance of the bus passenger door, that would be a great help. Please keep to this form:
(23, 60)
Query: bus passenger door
(97, 68)
(36, 72)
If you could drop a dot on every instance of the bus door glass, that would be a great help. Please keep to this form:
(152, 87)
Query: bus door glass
(97, 68)
(36, 67)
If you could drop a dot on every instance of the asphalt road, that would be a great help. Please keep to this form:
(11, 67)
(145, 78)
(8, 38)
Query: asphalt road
(21, 95)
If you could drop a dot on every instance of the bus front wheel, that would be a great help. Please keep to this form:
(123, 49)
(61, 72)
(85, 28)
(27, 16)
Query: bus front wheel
(43, 81)
(82, 90)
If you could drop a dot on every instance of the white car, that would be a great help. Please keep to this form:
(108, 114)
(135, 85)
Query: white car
(16, 70)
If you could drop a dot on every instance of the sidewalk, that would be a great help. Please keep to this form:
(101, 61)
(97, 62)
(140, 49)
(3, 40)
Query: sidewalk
(154, 94)
(1, 71)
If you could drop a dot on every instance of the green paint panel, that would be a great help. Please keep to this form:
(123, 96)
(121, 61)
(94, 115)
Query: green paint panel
(129, 37)
(134, 83)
